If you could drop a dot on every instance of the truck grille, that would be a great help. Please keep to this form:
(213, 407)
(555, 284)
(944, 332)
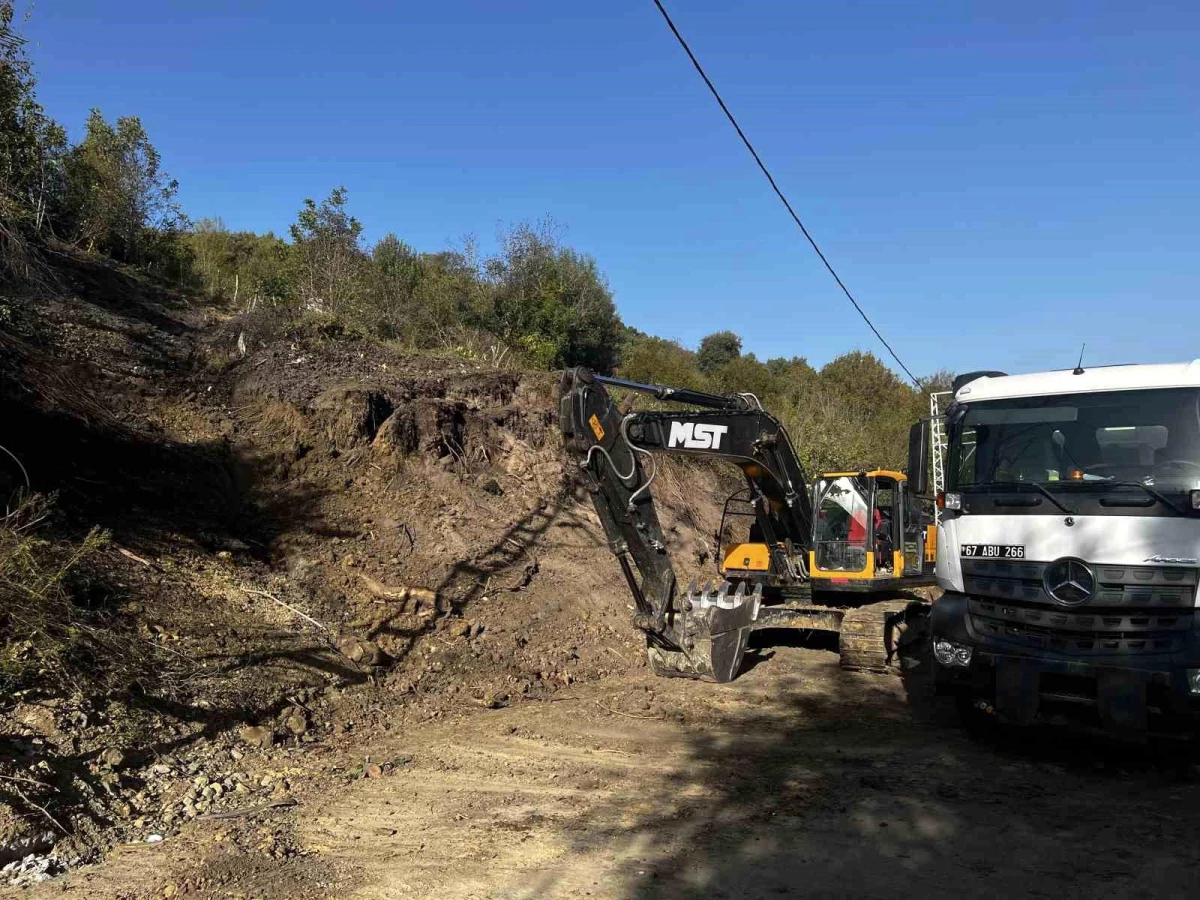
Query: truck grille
(1134, 608)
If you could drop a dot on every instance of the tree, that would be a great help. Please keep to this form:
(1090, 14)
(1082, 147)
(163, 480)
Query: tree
(241, 265)
(209, 241)
(551, 302)
(745, 374)
(855, 413)
(118, 199)
(718, 349)
(394, 274)
(326, 240)
(31, 151)
(263, 265)
(653, 360)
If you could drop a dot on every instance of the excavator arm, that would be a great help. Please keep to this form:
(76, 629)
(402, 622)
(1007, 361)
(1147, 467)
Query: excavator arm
(700, 633)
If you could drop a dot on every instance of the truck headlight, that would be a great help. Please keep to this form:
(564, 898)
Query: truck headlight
(949, 653)
(1193, 677)
(950, 500)
(1196, 500)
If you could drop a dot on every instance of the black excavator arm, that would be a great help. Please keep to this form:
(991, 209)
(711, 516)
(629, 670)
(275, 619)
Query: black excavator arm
(699, 633)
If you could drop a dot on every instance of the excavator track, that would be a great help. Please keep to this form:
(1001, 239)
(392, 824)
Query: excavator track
(885, 637)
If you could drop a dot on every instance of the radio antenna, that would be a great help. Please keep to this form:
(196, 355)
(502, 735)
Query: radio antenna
(1079, 365)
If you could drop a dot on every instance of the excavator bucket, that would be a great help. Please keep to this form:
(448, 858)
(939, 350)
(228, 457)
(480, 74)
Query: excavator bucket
(708, 633)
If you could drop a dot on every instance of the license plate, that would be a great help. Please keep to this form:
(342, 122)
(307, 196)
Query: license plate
(994, 551)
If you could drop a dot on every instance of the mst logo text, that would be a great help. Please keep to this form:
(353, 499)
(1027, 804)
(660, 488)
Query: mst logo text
(696, 436)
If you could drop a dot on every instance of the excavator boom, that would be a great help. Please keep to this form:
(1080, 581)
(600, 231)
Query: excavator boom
(701, 632)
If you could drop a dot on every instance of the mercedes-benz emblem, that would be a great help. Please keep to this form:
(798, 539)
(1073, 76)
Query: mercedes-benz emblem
(1069, 581)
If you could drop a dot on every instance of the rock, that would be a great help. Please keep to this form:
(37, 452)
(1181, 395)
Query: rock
(494, 701)
(352, 414)
(398, 434)
(373, 771)
(296, 721)
(28, 871)
(112, 758)
(235, 754)
(259, 736)
(357, 650)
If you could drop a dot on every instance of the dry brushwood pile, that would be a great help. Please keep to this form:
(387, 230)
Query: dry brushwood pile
(287, 614)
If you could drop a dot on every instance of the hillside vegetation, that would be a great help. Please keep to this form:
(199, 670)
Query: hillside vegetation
(534, 303)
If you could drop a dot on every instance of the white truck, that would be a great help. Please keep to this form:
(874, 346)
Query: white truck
(1069, 548)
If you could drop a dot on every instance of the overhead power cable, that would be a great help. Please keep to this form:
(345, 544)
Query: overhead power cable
(775, 187)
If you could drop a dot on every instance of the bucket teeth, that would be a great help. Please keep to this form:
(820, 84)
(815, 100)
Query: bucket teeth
(738, 598)
(709, 640)
(726, 596)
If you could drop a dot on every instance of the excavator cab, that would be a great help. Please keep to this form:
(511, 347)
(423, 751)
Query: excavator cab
(869, 533)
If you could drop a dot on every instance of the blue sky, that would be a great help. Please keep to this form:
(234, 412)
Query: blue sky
(997, 183)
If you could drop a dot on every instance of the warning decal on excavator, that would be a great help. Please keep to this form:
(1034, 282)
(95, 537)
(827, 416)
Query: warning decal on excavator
(597, 428)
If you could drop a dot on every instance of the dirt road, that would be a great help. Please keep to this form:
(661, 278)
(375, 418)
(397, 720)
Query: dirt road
(797, 778)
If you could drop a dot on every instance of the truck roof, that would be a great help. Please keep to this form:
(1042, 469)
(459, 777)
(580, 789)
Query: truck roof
(1099, 378)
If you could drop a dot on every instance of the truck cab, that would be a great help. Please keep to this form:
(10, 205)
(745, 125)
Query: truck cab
(1069, 548)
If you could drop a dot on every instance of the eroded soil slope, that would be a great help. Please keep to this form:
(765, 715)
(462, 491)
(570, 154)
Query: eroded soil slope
(313, 540)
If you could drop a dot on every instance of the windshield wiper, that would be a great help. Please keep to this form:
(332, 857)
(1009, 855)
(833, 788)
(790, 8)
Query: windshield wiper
(1022, 484)
(1160, 497)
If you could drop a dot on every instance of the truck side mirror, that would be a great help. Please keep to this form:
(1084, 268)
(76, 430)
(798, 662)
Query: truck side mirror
(918, 458)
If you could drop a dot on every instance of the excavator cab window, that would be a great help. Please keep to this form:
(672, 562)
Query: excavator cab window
(843, 529)
(886, 519)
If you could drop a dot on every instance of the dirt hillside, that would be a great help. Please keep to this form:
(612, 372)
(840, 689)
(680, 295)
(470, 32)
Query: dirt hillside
(373, 645)
(311, 537)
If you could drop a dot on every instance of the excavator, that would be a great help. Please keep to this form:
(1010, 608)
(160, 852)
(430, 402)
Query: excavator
(839, 556)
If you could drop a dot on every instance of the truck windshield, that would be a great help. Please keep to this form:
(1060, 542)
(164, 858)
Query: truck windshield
(1081, 441)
